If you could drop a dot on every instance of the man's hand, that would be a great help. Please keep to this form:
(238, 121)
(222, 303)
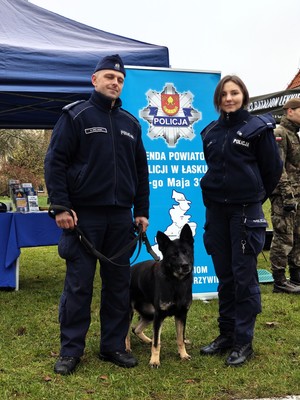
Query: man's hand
(143, 221)
(65, 221)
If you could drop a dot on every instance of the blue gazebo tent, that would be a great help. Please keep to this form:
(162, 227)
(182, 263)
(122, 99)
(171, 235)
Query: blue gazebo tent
(46, 61)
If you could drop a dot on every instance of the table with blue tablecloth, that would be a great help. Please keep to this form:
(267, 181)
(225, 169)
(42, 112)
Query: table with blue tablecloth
(19, 230)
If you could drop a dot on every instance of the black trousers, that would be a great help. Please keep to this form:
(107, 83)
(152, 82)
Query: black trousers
(109, 229)
(234, 236)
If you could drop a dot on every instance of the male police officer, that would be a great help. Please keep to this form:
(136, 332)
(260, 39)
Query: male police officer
(285, 207)
(96, 166)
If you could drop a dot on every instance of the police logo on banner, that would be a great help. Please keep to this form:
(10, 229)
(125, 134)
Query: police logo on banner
(170, 115)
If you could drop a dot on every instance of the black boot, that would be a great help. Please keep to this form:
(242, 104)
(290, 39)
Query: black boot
(282, 285)
(239, 354)
(295, 276)
(66, 365)
(218, 346)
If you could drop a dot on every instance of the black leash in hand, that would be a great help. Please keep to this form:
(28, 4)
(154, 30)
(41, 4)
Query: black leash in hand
(140, 238)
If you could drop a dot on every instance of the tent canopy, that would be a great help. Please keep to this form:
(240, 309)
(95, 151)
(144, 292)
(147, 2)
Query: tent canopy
(46, 61)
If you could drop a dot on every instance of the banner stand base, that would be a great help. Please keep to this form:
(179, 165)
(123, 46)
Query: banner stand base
(205, 296)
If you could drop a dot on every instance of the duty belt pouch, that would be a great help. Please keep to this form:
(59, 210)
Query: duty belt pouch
(253, 234)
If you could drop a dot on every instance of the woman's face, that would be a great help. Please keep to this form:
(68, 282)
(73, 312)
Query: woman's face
(232, 97)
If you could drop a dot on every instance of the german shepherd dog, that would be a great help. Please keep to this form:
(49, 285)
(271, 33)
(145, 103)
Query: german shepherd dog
(163, 289)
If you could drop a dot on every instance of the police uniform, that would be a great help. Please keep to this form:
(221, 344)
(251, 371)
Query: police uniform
(96, 165)
(243, 169)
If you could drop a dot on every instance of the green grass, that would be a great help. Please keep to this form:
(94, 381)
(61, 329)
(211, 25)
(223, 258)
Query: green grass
(43, 201)
(30, 344)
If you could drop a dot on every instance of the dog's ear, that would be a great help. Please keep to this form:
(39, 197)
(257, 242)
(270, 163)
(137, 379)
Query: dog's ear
(186, 234)
(163, 241)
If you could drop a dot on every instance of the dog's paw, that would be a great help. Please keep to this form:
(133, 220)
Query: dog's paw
(185, 357)
(154, 360)
(155, 364)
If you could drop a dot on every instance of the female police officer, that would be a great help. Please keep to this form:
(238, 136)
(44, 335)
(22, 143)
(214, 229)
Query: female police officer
(244, 167)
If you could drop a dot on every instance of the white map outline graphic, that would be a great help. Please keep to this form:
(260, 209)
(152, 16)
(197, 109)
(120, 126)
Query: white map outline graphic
(179, 218)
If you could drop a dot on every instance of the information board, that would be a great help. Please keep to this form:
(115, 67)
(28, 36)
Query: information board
(173, 106)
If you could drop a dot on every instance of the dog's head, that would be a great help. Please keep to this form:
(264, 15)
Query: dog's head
(178, 254)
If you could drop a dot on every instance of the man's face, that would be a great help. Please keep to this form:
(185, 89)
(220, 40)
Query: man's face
(294, 115)
(108, 82)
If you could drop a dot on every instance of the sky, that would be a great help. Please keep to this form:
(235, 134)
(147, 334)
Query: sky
(257, 40)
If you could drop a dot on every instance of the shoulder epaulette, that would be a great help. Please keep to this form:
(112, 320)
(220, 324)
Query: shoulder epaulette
(71, 105)
(256, 125)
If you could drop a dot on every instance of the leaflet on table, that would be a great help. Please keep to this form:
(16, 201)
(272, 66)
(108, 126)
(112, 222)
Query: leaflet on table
(23, 196)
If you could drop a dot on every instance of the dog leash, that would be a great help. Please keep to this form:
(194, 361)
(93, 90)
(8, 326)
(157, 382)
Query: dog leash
(141, 237)
(146, 242)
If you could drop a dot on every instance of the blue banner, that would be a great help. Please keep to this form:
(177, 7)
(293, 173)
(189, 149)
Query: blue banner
(173, 106)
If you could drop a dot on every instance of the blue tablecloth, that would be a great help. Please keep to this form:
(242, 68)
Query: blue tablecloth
(19, 230)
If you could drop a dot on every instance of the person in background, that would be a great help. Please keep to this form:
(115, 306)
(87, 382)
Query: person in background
(285, 210)
(244, 167)
(96, 166)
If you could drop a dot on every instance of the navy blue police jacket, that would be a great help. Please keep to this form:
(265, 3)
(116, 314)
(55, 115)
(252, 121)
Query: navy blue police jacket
(96, 157)
(244, 165)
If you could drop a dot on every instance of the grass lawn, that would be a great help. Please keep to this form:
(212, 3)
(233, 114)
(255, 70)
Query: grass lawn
(30, 344)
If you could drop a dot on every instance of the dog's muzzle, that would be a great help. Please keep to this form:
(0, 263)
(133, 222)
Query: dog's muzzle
(182, 271)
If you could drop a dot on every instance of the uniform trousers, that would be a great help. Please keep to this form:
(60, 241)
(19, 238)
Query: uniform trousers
(285, 246)
(234, 236)
(109, 229)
